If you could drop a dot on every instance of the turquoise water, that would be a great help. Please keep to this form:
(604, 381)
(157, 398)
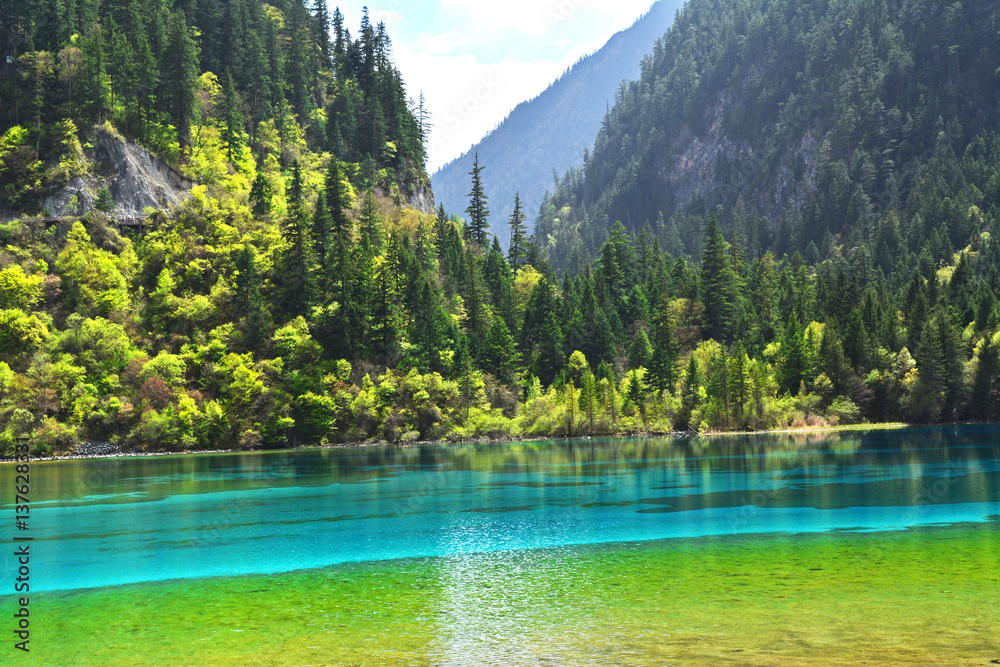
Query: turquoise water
(107, 522)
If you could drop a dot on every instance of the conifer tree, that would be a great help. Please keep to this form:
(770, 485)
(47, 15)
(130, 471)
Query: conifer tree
(637, 392)
(662, 366)
(793, 359)
(371, 235)
(640, 350)
(232, 119)
(689, 396)
(38, 69)
(588, 396)
(500, 357)
(96, 84)
(718, 284)
(478, 209)
(518, 233)
(985, 394)
(321, 239)
(385, 317)
(179, 64)
(261, 196)
(441, 224)
(249, 303)
(341, 229)
(297, 276)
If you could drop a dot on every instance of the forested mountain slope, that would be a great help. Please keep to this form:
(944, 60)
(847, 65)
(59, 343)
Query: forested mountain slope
(295, 299)
(551, 131)
(794, 120)
(264, 83)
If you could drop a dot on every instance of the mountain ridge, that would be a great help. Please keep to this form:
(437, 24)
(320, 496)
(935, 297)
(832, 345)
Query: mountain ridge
(789, 120)
(532, 142)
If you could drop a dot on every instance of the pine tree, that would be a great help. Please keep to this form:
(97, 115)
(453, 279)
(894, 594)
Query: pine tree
(474, 296)
(985, 395)
(689, 397)
(96, 84)
(341, 231)
(662, 369)
(929, 393)
(38, 69)
(588, 397)
(232, 119)
(179, 65)
(427, 329)
(518, 232)
(297, 275)
(321, 239)
(500, 356)
(371, 235)
(321, 30)
(640, 350)
(248, 302)
(637, 392)
(385, 331)
(551, 357)
(478, 209)
(261, 196)
(793, 357)
(147, 80)
(441, 225)
(463, 373)
(718, 284)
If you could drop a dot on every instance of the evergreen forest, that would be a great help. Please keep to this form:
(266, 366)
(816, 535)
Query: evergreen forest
(789, 220)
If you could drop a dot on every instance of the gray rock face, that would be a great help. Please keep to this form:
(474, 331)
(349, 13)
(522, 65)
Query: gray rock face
(134, 178)
(137, 178)
(423, 200)
(84, 189)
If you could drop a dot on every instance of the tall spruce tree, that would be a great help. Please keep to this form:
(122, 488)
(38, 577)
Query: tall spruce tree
(717, 284)
(232, 119)
(478, 209)
(179, 64)
(297, 276)
(518, 233)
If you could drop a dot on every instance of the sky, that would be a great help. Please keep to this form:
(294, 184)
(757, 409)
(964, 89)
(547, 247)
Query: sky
(475, 60)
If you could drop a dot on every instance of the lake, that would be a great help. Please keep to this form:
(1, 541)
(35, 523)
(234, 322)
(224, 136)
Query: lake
(827, 548)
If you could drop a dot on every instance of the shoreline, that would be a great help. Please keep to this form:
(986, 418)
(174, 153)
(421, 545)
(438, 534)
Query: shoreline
(681, 435)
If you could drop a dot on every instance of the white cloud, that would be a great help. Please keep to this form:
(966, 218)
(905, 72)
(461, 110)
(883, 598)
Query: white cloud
(390, 18)
(443, 43)
(540, 18)
(475, 60)
(519, 16)
(473, 97)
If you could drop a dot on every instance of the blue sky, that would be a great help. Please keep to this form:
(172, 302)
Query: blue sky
(475, 60)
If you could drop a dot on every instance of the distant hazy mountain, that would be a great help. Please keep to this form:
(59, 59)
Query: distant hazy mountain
(552, 130)
(797, 122)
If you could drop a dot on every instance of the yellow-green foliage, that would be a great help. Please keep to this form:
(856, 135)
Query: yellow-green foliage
(21, 333)
(96, 281)
(20, 171)
(18, 289)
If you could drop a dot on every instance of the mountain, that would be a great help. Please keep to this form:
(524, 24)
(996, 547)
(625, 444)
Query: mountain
(273, 84)
(797, 123)
(551, 131)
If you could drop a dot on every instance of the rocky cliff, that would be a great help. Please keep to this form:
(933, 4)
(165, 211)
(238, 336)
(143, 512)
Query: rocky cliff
(135, 179)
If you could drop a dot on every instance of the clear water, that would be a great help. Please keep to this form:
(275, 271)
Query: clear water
(107, 522)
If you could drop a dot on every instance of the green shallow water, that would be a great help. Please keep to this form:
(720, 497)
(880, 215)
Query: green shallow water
(921, 597)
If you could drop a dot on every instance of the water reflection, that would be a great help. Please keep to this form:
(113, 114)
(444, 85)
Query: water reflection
(127, 520)
(493, 604)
